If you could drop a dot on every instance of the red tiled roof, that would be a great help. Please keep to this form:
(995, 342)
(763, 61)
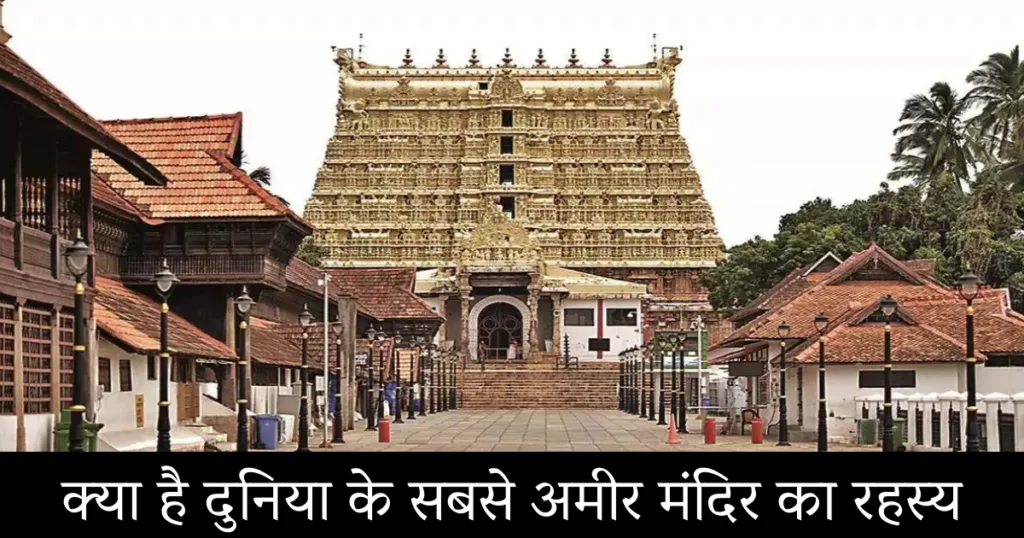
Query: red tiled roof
(931, 326)
(922, 267)
(789, 287)
(105, 196)
(18, 77)
(292, 332)
(385, 293)
(194, 154)
(133, 320)
(269, 347)
(305, 277)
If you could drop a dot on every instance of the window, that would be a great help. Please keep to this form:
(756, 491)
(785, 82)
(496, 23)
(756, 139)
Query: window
(508, 206)
(506, 145)
(506, 118)
(1005, 361)
(622, 317)
(105, 374)
(506, 174)
(670, 284)
(579, 317)
(124, 375)
(151, 367)
(875, 379)
(483, 86)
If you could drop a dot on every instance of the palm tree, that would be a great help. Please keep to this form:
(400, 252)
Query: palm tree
(932, 146)
(261, 175)
(998, 88)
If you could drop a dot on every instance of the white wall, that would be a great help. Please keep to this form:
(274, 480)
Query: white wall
(842, 386)
(38, 432)
(1007, 380)
(621, 338)
(116, 409)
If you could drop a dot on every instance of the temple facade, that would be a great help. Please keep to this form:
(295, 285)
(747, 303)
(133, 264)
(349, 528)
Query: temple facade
(516, 185)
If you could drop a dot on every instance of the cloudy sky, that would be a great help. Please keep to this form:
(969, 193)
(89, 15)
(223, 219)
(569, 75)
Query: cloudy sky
(780, 101)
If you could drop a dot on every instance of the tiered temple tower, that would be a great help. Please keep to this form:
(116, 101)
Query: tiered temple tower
(589, 160)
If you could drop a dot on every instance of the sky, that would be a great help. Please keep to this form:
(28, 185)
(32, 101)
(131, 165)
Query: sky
(780, 102)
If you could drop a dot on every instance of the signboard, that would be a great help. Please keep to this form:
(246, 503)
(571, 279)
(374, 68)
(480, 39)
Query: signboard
(599, 344)
(362, 357)
(140, 411)
(746, 369)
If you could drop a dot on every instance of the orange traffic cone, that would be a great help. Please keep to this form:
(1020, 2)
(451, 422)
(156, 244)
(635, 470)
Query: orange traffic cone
(673, 436)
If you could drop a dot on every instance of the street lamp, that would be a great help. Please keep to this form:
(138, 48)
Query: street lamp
(432, 391)
(422, 392)
(783, 423)
(888, 309)
(77, 257)
(673, 339)
(968, 289)
(650, 382)
(443, 394)
(165, 281)
(661, 384)
(305, 320)
(454, 373)
(381, 335)
(821, 323)
(371, 415)
(243, 303)
(396, 363)
(339, 435)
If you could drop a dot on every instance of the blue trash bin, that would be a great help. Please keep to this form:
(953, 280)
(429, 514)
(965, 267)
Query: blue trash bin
(267, 428)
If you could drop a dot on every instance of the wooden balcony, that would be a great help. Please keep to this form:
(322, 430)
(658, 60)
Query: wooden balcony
(206, 269)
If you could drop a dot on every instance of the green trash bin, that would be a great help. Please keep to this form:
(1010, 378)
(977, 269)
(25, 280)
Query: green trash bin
(62, 433)
(898, 429)
(867, 433)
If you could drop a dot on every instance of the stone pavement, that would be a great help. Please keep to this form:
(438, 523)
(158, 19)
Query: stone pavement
(544, 431)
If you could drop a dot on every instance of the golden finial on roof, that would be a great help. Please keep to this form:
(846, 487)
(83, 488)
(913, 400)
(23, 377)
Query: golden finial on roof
(507, 60)
(360, 56)
(407, 61)
(573, 60)
(473, 60)
(540, 58)
(441, 62)
(607, 60)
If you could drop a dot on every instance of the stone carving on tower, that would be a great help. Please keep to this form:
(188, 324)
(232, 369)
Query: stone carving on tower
(587, 160)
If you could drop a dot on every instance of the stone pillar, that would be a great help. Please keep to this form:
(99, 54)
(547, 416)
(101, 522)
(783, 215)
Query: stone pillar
(228, 383)
(556, 318)
(442, 308)
(464, 338)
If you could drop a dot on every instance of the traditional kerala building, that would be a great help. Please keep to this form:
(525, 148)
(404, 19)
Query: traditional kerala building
(504, 185)
(47, 201)
(928, 341)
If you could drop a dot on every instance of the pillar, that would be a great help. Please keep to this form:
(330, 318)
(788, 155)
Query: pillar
(556, 322)
(464, 337)
(228, 387)
(533, 301)
(19, 374)
(442, 308)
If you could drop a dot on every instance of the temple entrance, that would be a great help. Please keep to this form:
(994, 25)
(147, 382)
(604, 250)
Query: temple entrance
(500, 324)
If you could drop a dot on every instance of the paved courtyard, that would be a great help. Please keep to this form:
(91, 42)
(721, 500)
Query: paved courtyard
(542, 431)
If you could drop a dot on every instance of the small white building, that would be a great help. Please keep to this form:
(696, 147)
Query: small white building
(928, 349)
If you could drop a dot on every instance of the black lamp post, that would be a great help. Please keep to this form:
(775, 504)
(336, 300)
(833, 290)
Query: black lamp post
(243, 303)
(443, 392)
(396, 362)
(410, 388)
(432, 391)
(674, 404)
(661, 385)
(454, 381)
(650, 383)
(305, 320)
(968, 289)
(888, 308)
(165, 281)
(821, 323)
(77, 256)
(339, 425)
(641, 387)
(783, 423)
(380, 377)
(371, 387)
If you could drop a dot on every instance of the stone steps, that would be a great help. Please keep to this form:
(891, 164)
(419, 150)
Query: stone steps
(533, 389)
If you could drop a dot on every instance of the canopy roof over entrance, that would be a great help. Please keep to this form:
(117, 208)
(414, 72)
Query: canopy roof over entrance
(576, 284)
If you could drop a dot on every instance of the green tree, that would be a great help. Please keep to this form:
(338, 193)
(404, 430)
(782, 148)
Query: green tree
(311, 253)
(932, 139)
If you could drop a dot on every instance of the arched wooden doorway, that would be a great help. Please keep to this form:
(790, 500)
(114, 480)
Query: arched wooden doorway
(499, 325)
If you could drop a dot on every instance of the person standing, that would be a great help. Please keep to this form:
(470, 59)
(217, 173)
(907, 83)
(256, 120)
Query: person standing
(512, 349)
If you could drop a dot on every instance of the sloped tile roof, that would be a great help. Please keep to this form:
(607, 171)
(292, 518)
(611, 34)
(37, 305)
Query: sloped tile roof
(306, 278)
(18, 77)
(269, 347)
(789, 287)
(922, 267)
(133, 320)
(107, 197)
(292, 332)
(194, 153)
(865, 343)
(385, 293)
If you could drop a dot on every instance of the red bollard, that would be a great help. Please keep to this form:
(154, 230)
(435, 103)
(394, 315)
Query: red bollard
(384, 430)
(709, 431)
(756, 431)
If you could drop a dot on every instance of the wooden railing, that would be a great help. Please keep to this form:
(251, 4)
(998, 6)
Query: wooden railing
(201, 267)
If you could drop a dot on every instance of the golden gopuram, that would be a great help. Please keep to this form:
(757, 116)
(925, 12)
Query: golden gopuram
(587, 162)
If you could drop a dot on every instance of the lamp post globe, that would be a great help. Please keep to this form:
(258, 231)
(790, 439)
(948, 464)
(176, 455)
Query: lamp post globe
(164, 281)
(305, 320)
(967, 287)
(77, 257)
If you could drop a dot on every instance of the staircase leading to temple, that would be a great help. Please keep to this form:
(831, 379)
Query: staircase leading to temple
(538, 385)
